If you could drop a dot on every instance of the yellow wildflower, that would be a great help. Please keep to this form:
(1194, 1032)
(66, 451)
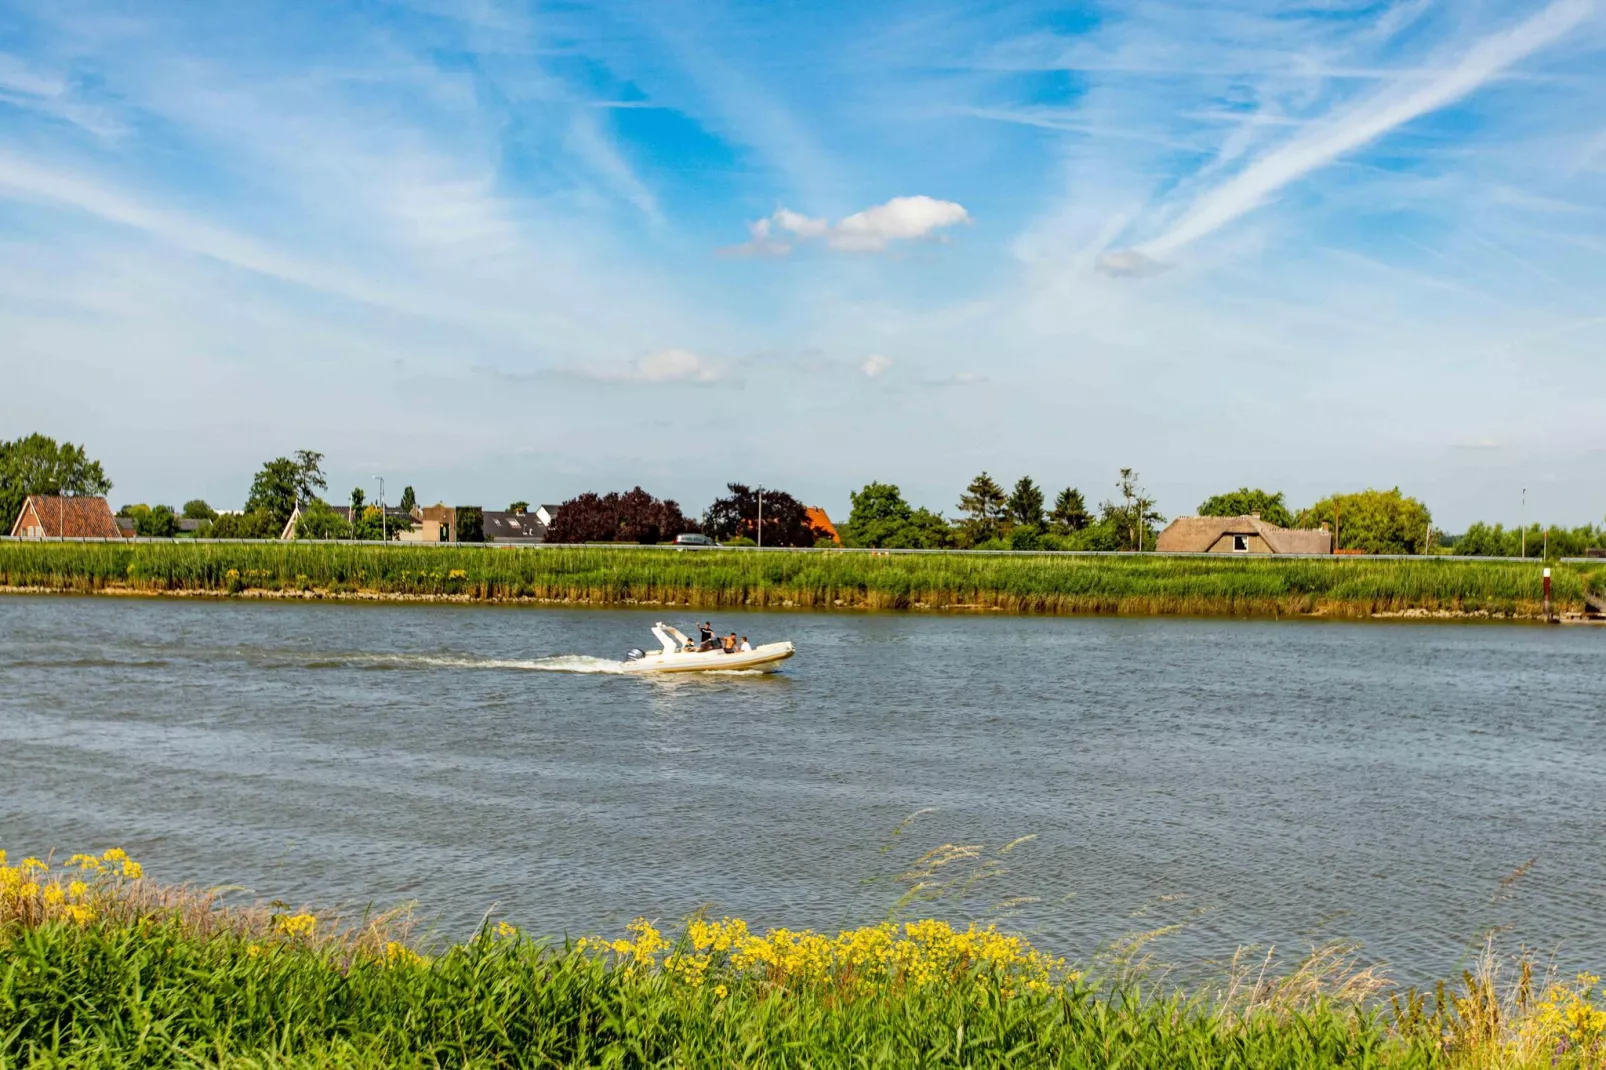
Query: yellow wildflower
(77, 889)
(86, 863)
(720, 991)
(399, 954)
(297, 925)
(33, 864)
(504, 929)
(54, 896)
(79, 913)
(29, 890)
(132, 869)
(116, 854)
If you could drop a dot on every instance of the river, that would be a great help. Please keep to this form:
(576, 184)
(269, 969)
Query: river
(1408, 786)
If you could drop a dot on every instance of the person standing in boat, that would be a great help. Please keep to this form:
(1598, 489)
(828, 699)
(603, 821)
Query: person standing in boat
(705, 636)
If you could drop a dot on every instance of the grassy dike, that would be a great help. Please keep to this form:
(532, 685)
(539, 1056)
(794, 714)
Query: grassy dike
(102, 967)
(600, 575)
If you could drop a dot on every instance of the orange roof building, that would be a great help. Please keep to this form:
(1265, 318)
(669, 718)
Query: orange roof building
(47, 517)
(820, 522)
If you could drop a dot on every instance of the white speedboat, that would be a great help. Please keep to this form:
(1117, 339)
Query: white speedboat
(680, 654)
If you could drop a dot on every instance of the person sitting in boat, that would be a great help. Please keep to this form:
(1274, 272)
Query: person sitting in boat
(728, 644)
(746, 647)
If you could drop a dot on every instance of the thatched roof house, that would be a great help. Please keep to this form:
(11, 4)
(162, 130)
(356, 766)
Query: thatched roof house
(1241, 535)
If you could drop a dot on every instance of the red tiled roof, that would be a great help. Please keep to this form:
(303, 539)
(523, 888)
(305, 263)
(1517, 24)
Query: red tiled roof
(819, 521)
(83, 518)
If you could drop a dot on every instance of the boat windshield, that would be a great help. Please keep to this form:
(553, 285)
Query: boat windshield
(671, 638)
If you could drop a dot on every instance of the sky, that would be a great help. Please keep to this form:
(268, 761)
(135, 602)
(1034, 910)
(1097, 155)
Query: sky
(503, 251)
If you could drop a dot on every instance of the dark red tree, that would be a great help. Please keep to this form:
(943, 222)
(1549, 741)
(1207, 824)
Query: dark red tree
(786, 520)
(634, 516)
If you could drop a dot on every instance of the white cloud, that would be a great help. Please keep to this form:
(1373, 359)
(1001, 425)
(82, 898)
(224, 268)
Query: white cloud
(900, 219)
(759, 241)
(875, 364)
(801, 225)
(869, 231)
(1325, 143)
(1129, 263)
(677, 366)
(659, 366)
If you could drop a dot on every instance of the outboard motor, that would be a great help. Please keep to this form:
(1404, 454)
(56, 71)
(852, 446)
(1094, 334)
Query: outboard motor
(635, 654)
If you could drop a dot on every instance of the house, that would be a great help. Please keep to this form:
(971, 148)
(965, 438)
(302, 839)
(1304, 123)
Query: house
(525, 529)
(1240, 535)
(49, 517)
(436, 523)
(820, 522)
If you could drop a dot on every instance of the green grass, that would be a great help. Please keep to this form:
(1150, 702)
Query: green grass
(157, 995)
(1046, 583)
(100, 967)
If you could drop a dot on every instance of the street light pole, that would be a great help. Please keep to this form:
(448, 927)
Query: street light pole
(761, 518)
(1522, 521)
(384, 534)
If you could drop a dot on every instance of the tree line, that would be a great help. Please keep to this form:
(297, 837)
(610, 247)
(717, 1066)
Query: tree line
(990, 518)
(743, 516)
(987, 516)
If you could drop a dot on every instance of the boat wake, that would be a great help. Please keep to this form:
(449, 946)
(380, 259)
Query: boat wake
(575, 663)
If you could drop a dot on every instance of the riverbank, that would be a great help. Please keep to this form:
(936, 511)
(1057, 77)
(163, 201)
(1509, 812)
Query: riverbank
(105, 967)
(1144, 584)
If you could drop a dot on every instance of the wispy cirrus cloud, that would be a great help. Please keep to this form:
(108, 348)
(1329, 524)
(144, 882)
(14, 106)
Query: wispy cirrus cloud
(1323, 143)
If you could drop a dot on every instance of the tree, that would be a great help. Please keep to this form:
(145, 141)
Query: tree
(882, 519)
(983, 505)
(521, 508)
(785, 519)
(470, 523)
(1025, 506)
(1136, 517)
(358, 497)
(1070, 512)
(375, 525)
(878, 511)
(156, 523)
(318, 521)
(409, 500)
(37, 464)
(250, 525)
(309, 479)
(197, 509)
(634, 516)
(1372, 521)
(283, 484)
(1245, 502)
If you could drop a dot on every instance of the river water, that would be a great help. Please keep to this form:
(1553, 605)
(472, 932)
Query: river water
(1412, 787)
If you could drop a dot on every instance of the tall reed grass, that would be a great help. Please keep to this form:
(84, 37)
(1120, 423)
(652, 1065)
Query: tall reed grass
(101, 967)
(1047, 583)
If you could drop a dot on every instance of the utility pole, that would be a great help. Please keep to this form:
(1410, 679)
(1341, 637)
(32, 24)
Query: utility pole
(1522, 521)
(384, 533)
(761, 518)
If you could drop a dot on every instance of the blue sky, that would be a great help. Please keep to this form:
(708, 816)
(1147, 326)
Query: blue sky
(514, 250)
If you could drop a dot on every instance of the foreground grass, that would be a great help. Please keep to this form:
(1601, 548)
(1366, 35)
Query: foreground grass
(99, 967)
(1135, 584)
